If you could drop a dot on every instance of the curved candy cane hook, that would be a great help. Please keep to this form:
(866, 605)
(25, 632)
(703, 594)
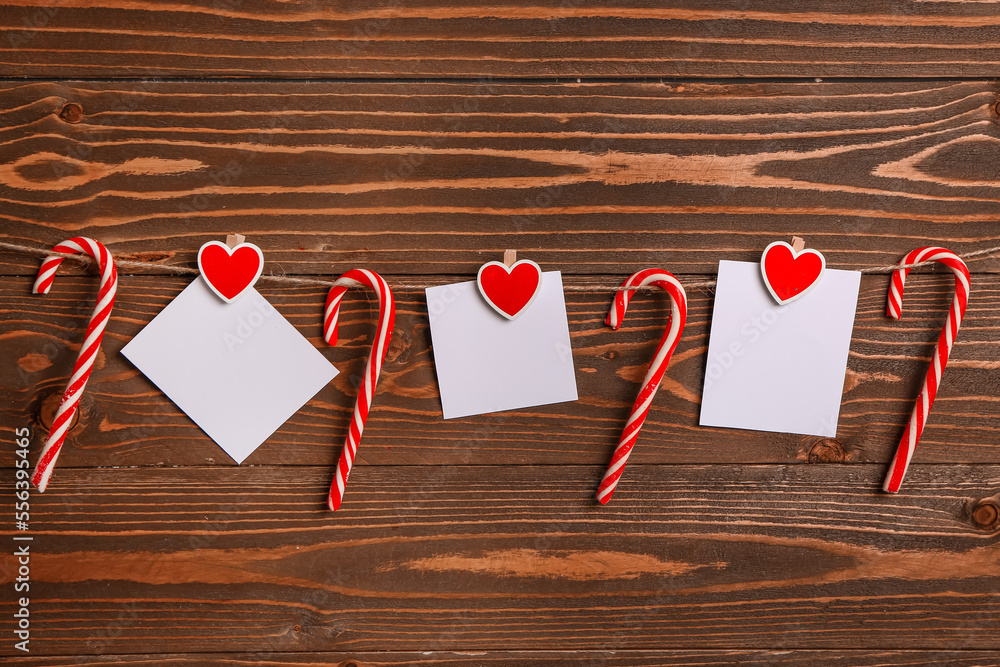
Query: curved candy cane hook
(383, 332)
(922, 408)
(88, 351)
(678, 316)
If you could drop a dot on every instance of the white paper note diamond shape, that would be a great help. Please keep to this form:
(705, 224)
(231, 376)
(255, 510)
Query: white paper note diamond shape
(240, 370)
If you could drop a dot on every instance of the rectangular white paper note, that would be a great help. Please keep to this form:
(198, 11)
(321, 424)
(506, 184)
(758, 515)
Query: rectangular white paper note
(487, 363)
(239, 370)
(778, 368)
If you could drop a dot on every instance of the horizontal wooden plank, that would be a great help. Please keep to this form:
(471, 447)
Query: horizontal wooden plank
(551, 38)
(433, 178)
(631, 658)
(468, 558)
(127, 421)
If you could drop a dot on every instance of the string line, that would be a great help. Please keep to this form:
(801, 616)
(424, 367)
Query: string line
(985, 253)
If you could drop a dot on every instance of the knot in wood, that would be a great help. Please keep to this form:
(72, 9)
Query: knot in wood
(399, 347)
(986, 514)
(47, 412)
(72, 113)
(827, 450)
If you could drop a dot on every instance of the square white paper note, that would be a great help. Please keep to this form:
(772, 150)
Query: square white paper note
(778, 368)
(487, 363)
(239, 370)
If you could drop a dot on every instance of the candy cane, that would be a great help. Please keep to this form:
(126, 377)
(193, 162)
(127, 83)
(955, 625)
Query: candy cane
(678, 316)
(88, 351)
(922, 408)
(383, 332)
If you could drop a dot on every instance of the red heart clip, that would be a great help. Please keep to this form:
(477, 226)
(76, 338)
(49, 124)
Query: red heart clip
(509, 289)
(788, 274)
(230, 271)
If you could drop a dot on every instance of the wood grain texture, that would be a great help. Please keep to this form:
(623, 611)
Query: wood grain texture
(580, 658)
(126, 421)
(465, 558)
(551, 38)
(433, 178)
(420, 140)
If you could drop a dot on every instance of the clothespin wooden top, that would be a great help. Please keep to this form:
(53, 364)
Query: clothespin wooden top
(234, 240)
(509, 257)
(798, 244)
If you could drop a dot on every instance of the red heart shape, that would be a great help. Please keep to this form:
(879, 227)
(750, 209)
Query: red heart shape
(230, 271)
(789, 274)
(509, 290)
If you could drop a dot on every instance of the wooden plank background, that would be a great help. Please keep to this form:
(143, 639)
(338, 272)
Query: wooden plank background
(420, 140)
(550, 38)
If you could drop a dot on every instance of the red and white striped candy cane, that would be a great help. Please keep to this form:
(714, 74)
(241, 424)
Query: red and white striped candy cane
(678, 316)
(922, 408)
(383, 332)
(88, 351)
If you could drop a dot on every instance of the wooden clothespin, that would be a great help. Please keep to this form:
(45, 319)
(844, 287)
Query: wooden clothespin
(509, 257)
(235, 239)
(798, 244)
